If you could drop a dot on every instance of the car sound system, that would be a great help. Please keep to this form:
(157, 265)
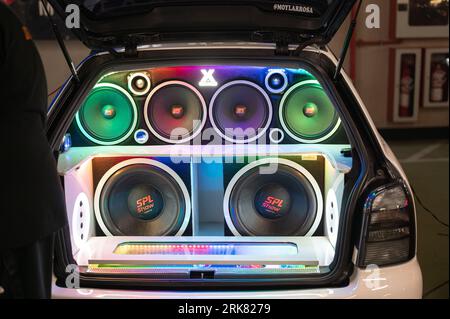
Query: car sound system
(209, 105)
(168, 152)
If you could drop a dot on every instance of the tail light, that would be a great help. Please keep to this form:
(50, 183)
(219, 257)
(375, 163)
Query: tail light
(388, 235)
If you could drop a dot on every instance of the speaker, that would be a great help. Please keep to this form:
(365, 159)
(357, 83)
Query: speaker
(108, 115)
(240, 111)
(307, 114)
(276, 81)
(175, 112)
(139, 83)
(274, 196)
(142, 196)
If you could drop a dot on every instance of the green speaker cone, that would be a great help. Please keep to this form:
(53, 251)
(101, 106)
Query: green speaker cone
(307, 113)
(108, 115)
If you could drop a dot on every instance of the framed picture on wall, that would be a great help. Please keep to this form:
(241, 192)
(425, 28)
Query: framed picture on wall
(435, 79)
(422, 18)
(405, 85)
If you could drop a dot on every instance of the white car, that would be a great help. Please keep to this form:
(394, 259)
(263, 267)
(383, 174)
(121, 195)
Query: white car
(219, 151)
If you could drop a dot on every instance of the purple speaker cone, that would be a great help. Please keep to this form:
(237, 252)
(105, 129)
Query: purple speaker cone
(227, 112)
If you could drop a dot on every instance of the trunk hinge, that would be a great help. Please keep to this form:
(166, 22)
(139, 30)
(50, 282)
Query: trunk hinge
(282, 41)
(282, 48)
(347, 41)
(131, 49)
(60, 40)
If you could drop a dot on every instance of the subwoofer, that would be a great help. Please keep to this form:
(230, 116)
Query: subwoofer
(175, 112)
(108, 116)
(240, 111)
(307, 114)
(142, 196)
(274, 196)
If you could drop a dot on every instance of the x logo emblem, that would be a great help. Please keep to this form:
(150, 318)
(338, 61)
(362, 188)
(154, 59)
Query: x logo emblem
(208, 78)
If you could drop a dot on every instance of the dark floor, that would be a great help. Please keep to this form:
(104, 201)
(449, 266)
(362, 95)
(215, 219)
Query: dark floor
(426, 165)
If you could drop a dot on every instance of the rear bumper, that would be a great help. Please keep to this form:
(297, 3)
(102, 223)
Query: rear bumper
(401, 281)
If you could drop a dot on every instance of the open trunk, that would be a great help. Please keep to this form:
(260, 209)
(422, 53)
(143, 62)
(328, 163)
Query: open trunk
(238, 212)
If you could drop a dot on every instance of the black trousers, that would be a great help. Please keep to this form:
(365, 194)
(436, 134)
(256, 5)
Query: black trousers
(26, 272)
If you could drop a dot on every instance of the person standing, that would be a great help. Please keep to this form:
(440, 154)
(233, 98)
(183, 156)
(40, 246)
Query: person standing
(32, 205)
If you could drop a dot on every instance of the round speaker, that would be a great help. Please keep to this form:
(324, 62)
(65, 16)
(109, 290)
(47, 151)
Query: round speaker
(175, 112)
(286, 202)
(108, 116)
(139, 83)
(276, 81)
(142, 197)
(276, 136)
(240, 111)
(307, 114)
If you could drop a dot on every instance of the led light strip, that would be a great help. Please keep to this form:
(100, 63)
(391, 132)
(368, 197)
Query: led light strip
(254, 268)
(232, 249)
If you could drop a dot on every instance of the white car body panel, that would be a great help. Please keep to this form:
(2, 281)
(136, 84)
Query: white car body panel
(395, 282)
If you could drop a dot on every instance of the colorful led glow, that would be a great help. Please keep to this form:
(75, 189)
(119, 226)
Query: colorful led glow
(109, 115)
(66, 143)
(251, 268)
(232, 249)
(221, 74)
